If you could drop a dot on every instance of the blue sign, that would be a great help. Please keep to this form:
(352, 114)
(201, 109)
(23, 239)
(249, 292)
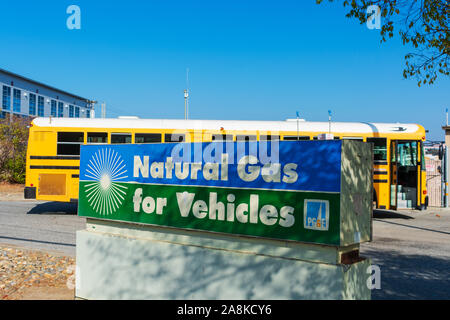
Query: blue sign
(317, 214)
(275, 165)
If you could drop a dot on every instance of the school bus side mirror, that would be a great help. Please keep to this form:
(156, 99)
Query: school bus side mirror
(441, 152)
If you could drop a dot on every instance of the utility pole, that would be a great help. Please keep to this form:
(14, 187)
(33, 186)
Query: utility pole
(103, 110)
(446, 117)
(444, 166)
(329, 121)
(442, 157)
(186, 96)
(446, 176)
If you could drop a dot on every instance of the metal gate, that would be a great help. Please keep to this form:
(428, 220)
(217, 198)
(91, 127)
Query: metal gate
(434, 182)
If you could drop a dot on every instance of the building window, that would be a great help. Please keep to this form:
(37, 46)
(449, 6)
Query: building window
(32, 105)
(77, 112)
(6, 101)
(40, 106)
(60, 109)
(53, 109)
(71, 111)
(88, 113)
(16, 100)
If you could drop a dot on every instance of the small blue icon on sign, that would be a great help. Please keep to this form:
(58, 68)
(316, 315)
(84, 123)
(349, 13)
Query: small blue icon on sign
(316, 213)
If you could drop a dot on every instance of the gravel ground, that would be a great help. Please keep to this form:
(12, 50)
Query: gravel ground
(31, 274)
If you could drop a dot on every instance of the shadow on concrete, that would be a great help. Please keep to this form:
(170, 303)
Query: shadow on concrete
(170, 271)
(389, 214)
(38, 241)
(55, 208)
(413, 227)
(410, 276)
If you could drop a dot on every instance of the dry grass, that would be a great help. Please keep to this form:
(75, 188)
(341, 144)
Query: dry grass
(9, 188)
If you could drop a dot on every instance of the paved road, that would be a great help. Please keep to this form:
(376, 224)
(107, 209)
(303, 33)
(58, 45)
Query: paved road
(49, 226)
(412, 248)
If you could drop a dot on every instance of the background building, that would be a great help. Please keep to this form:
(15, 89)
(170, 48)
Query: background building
(28, 98)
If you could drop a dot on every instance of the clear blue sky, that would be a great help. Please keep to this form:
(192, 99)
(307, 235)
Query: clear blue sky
(259, 60)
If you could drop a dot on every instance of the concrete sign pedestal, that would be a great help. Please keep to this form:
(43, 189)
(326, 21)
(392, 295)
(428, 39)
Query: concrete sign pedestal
(118, 261)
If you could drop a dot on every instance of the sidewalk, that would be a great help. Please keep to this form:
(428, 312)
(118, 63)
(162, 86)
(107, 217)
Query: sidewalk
(412, 249)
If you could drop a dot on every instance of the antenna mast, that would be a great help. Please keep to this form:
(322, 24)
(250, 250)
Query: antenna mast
(186, 96)
(329, 121)
(446, 116)
(103, 110)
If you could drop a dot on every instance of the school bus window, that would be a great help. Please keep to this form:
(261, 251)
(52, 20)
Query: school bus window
(222, 137)
(175, 137)
(69, 143)
(393, 152)
(117, 138)
(97, 137)
(147, 138)
(379, 148)
(70, 137)
(295, 138)
(337, 138)
(423, 166)
(242, 137)
(263, 137)
(407, 154)
(353, 138)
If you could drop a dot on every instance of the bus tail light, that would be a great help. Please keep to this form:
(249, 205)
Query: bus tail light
(424, 192)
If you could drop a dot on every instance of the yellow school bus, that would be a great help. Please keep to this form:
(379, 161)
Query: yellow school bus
(53, 155)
